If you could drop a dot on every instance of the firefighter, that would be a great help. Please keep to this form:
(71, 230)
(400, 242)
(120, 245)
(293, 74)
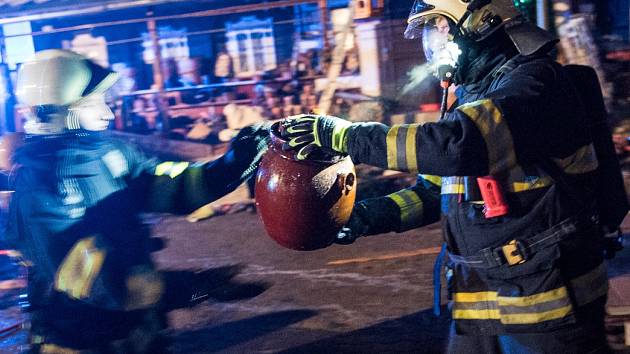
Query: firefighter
(515, 164)
(75, 212)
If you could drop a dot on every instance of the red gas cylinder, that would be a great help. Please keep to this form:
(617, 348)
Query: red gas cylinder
(303, 204)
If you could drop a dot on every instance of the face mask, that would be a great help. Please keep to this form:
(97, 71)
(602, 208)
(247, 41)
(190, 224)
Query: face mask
(439, 50)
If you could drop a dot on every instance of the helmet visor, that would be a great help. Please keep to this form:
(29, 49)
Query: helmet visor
(419, 7)
(416, 27)
(416, 19)
(435, 35)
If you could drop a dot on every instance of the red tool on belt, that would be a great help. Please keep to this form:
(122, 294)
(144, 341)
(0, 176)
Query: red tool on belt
(495, 204)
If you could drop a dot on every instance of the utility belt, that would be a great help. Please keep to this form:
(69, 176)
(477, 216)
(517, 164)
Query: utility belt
(520, 251)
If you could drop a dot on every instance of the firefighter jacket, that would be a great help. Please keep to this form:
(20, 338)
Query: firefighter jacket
(403, 210)
(539, 267)
(75, 215)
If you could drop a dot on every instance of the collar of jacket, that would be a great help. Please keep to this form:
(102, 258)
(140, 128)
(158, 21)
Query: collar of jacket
(499, 54)
(44, 151)
(480, 60)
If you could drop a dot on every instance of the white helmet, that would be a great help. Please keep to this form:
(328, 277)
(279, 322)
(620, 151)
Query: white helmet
(53, 81)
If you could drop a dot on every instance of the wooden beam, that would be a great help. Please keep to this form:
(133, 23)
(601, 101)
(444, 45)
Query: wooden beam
(338, 57)
(542, 14)
(323, 14)
(206, 13)
(158, 77)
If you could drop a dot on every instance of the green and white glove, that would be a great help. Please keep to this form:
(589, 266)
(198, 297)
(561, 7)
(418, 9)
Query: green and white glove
(306, 133)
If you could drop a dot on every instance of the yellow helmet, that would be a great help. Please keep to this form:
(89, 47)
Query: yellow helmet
(484, 18)
(478, 19)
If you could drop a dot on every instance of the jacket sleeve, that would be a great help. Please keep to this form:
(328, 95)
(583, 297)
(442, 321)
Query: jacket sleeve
(404, 210)
(182, 187)
(518, 118)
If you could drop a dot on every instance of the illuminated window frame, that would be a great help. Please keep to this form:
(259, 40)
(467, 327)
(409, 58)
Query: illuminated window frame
(251, 44)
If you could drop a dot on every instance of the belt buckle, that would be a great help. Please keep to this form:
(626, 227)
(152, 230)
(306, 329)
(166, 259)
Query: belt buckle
(512, 253)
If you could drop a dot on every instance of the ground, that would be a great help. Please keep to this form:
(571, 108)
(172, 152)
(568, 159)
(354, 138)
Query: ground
(374, 296)
(371, 297)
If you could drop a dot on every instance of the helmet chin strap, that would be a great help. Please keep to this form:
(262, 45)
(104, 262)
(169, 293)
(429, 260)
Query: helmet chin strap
(446, 73)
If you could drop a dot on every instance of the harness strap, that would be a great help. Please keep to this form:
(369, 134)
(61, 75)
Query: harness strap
(519, 251)
(437, 285)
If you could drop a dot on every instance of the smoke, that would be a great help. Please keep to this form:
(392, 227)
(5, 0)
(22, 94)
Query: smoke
(416, 76)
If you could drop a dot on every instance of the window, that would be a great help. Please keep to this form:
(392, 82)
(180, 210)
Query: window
(241, 63)
(173, 44)
(251, 45)
(18, 48)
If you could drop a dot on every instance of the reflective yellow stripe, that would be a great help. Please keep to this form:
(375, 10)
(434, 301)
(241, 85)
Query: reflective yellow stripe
(517, 182)
(551, 305)
(178, 169)
(582, 161)
(492, 306)
(93, 266)
(486, 304)
(437, 180)
(411, 208)
(452, 185)
(535, 299)
(397, 199)
(475, 297)
(496, 133)
(516, 187)
(80, 268)
(453, 189)
(171, 169)
(542, 182)
(531, 318)
(163, 168)
(401, 148)
(412, 162)
(476, 314)
(392, 149)
(55, 349)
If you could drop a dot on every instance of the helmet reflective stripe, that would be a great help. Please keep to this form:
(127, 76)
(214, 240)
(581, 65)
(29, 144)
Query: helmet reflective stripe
(452, 9)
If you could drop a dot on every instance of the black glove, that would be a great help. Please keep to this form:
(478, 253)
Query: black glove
(249, 146)
(258, 131)
(613, 243)
(356, 227)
